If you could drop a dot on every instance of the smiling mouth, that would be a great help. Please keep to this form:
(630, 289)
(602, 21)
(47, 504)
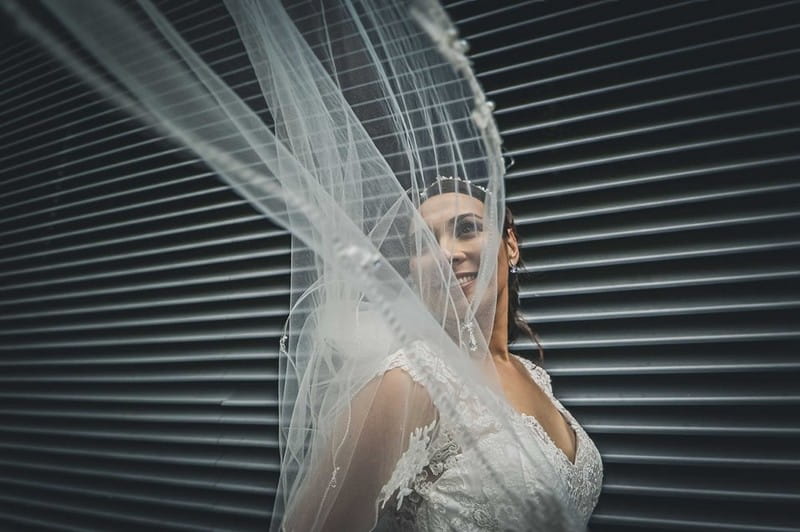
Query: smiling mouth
(465, 278)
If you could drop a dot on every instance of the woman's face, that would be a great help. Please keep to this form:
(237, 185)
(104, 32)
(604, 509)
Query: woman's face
(456, 221)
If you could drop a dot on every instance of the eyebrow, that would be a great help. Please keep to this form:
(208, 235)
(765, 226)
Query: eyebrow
(459, 217)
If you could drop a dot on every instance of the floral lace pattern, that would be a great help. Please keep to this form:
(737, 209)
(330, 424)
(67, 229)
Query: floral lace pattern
(585, 475)
(439, 486)
(408, 466)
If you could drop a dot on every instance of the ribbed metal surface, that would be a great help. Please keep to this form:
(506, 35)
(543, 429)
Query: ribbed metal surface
(139, 320)
(655, 151)
(655, 181)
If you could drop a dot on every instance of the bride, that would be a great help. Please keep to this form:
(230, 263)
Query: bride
(400, 403)
(436, 484)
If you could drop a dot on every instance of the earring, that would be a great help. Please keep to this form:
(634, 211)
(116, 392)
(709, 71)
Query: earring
(513, 268)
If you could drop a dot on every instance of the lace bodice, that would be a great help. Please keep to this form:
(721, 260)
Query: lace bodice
(438, 486)
(583, 477)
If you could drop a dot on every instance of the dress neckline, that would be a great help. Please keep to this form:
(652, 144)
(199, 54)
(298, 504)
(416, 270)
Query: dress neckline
(531, 368)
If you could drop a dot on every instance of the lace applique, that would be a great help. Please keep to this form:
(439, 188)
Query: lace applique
(441, 487)
(440, 459)
(408, 466)
(584, 477)
(538, 374)
(429, 370)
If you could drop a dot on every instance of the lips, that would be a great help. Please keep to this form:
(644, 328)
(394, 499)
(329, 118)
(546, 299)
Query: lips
(465, 278)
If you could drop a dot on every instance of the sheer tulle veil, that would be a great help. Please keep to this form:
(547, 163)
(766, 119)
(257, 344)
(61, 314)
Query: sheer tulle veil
(369, 103)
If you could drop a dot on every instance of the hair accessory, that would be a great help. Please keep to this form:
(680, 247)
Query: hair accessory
(443, 179)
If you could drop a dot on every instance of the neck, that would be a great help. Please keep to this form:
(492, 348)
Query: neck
(498, 343)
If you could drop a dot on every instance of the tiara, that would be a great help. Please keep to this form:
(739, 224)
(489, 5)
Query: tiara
(441, 179)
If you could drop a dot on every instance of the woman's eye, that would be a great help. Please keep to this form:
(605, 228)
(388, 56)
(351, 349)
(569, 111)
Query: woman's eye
(467, 227)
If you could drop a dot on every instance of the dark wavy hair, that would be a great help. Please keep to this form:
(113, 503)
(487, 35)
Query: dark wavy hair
(517, 324)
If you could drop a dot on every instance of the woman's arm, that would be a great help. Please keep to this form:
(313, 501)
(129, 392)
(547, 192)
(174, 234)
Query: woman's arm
(349, 468)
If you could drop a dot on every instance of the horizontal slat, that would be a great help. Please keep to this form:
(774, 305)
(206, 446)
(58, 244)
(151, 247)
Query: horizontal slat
(703, 430)
(28, 520)
(702, 493)
(232, 294)
(162, 268)
(133, 360)
(671, 400)
(163, 436)
(590, 312)
(624, 19)
(150, 252)
(682, 524)
(665, 254)
(101, 325)
(671, 75)
(96, 212)
(661, 281)
(153, 339)
(146, 458)
(257, 418)
(201, 397)
(694, 48)
(650, 128)
(133, 288)
(707, 461)
(562, 189)
(164, 501)
(124, 225)
(155, 377)
(664, 202)
(650, 368)
(613, 113)
(639, 154)
(115, 516)
(19, 53)
(702, 306)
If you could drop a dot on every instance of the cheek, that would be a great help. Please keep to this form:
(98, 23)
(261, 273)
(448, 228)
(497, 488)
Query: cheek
(501, 257)
(420, 264)
(502, 266)
(475, 248)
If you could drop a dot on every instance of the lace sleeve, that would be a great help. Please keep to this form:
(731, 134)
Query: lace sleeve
(417, 455)
(377, 448)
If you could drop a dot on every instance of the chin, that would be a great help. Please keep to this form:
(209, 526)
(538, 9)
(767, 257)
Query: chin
(468, 290)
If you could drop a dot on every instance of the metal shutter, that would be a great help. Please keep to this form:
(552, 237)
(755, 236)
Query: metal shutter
(140, 311)
(655, 146)
(655, 177)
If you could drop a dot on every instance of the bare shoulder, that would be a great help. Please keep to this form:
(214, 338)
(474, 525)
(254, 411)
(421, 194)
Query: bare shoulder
(397, 379)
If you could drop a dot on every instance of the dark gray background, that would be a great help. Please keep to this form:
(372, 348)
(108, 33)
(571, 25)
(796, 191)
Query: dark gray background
(655, 182)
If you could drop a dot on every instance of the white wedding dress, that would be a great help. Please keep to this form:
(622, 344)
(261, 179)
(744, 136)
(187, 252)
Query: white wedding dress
(436, 486)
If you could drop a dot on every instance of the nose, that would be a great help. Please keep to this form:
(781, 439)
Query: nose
(451, 251)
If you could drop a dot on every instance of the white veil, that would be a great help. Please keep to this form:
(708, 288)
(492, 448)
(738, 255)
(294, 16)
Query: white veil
(369, 102)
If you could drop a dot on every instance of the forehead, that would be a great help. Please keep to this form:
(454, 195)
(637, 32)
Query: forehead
(442, 208)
